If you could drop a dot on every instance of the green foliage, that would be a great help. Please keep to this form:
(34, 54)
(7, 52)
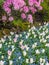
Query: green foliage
(22, 25)
(45, 5)
(1, 1)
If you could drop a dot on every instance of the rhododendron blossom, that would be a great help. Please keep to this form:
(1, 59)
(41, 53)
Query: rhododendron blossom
(4, 18)
(23, 16)
(29, 7)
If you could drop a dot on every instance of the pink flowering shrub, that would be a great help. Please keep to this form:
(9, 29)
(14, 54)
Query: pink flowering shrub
(26, 7)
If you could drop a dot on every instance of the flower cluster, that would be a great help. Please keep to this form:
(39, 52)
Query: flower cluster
(26, 8)
(4, 18)
(27, 48)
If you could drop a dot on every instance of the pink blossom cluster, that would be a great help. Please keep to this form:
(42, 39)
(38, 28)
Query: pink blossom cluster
(27, 9)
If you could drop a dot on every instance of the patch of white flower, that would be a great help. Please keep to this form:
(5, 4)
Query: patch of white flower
(29, 47)
(0, 45)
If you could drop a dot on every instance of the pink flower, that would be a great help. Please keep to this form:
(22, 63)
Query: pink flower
(16, 7)
(30, 18)
(23, 16)
(6, 6)
(11, 18)
(18, 4)
(33, 10)
(4, 18)
(8, 10)
(23, 7)
(31, 2)
(26, 9)
(9, 52)
(40, 8)
(15, 39)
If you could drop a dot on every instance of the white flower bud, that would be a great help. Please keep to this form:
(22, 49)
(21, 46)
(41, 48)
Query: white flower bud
(24, 53)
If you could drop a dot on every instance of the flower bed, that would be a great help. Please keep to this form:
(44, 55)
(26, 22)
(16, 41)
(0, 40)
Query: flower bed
(22, 9)
(27, 48)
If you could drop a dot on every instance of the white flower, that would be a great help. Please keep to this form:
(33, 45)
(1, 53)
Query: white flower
(37, 51)
(47, 63)
(40, 28)
(27, 48)
(47, 36)
(19, 57)
(27, 60)
(33, 32)
(1, 62)
(13, 48)
(41, 40)
(33, 46)
(20, 35)
(39, 23)
(47, 24)
(26, 36)
(31, 60)
(10, 62)
(9, 42)
(34, 27)
(3, 40)
(0, 45)
(21, 42)
(15, 40)
(11, 33)
(6, 43)
(43, 29)
(5, 36)
(44, 40)
(9, 37)
(9, 57)
(29, 30)
(46, 31)
(35, 43)
(43, 33)
(24, 53)
(47, 45)
(41, 63)
(24, 32)
(43, 50)
(16, 35)
(22, 47)
(2, 56)
(42, 60)
(44, 22)
(39, 37)
(35, 36)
